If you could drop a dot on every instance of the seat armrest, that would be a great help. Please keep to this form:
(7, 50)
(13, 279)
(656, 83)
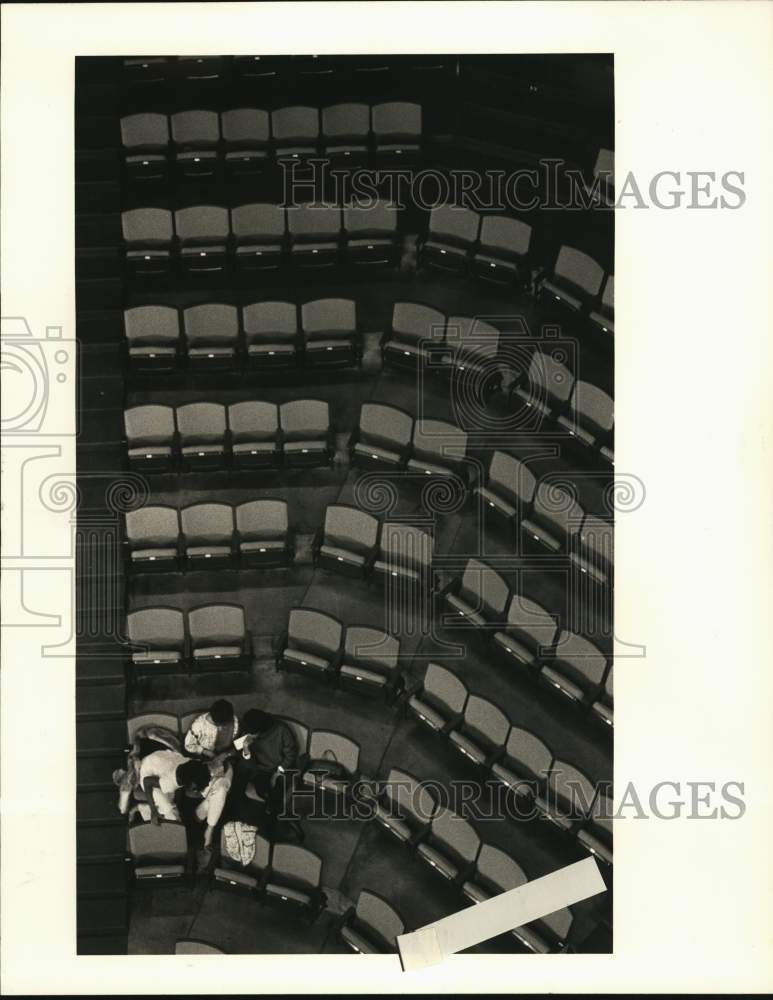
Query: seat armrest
(452, 723)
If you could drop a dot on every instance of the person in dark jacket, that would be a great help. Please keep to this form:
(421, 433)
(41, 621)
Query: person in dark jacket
(268, 755)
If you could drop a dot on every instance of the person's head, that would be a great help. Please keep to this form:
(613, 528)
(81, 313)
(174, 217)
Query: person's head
(256, 722)
(222, 713)
(193, 774)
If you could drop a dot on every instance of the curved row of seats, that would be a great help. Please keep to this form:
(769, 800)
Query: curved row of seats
(208, 240)
(206, 639)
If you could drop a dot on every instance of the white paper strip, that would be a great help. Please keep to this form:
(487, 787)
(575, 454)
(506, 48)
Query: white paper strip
(431, 944)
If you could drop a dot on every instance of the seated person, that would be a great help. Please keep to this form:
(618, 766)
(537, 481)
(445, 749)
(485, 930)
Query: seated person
(212, 732)
(162, 774)
(147, 740)
(264, 769)
(205, 805)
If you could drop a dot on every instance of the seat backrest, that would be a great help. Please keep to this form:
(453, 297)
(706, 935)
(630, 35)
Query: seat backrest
(163, 719)
(409, 797)
(296, 122)
(484, 588)
(560, 923)
(605, 164)
(346, 120)
(530, 756)
(253, 420)
(262, 519)
(322, 222)
(159, 627)
(217, 624)
(377, 915)
(455, 835)
(460, 224)
(592, 406)
(558, 507)
(580, 659)
(511, 477)
(399, 118)
(213, 522)
(299, 731)
(550, 378)
(498, 232)
(191, 946)
(386, 424)
(201, 422)
(326, 745)
(597, 539)
(351, 529)
(472, 337)
(297, 864)
(147, 226)
(329, 316)
(572, 790)
(531, 623)
(202, 222)
(211, 322)
(379, 217)
(498, 869)
(439, 442)
(406, 546)
(259, 219)
(484, 721)
(150, 424)
(165, 842)
(187, 720)
(303, 419)
(148, 526)
(151, 325)
(192, 127)
(271, 318)
(244, 125)
(580, 269)
(413, 322)
(144, 131)
(446, 688)
(314, 630)
(371, 646)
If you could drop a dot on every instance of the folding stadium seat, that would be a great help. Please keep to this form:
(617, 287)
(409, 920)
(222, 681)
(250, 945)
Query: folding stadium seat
(604, 707)
(148, 235)
(568, 797)
(495, 872)
(145, 70)
(604, 174)
(312, 643)
(370, 661)
(590, 418)
(547, 935)
(202, 430)
(315, 233)
(576, 668)
(405, 807)
(525, 765)
(482, 733)
(503, 252)
(382, 437)
(152, 338)
(159, 637)
(451, 238)
(153, 538)
(263, 534)
(306, 432)
(208, 535)
(265, 69)
(397, 129)
(248, 879)
(254, 427)
(211, 336)
(575, 282)
(438, 449)
(330, 334)
(219, 637)
(198, 69)
(259, 232)
(347, 542)
(440, 701)
(509, 489)
(196, 135)
(405, 553)
(546, 388)
(150, 437)
(607, 454)
(479, 596)
(295, 131)
(271, 334)
(474, 347)
(554, 521)
(595, 835)
(145, 139)
(450, 847)
(247, 135)
(295, 879)
(203, 232)
(158, 852)
(593, 553)
(604, 315)
(416, 334)
(345, 132)
(528, 632)
(370, 234)
(334, 762)
(371, 926)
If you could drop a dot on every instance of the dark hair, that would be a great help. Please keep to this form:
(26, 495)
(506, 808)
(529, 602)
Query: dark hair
(222, 712)
(193, 772)
(256, 722)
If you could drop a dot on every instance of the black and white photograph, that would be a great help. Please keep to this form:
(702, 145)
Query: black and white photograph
(311, 502)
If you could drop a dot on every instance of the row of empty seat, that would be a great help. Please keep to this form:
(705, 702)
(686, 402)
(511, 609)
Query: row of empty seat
(213, 336)
(209, 638)
(246, 139)
(207, 240)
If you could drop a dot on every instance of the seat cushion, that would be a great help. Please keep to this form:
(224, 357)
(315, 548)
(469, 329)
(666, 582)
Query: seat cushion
(509, 778)
(254, 447)
(157, 656)
(342, 555)
(193, 155)
(540, 408)
(438, 861)
(398, 148)
(470, 750)
(428, 468)
(572, 428)
(235, 878)
(475, 892)
(563, 684)
(152, 352)
(604, 712)
(561, 293)
(587, 567)
(246, 154)
(538, 534)
(264, 545)
(595, 846)
(208, 551)
(495, 263)
(426, 713)
(271, 349)
(403, 350)
(463, 610)
(284, 892)
(151, 451)
(202, 450)
(514, 648)
(389, 569)
(258, 249)
(358, 942)
(359, 675)
(376, 454)
(217, 652)
(396, 825)
(531, 939)
(306, 661)
(304, 447)
(153, 555)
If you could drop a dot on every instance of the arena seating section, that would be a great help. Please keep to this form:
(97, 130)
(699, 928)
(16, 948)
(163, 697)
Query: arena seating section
(352, 466)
